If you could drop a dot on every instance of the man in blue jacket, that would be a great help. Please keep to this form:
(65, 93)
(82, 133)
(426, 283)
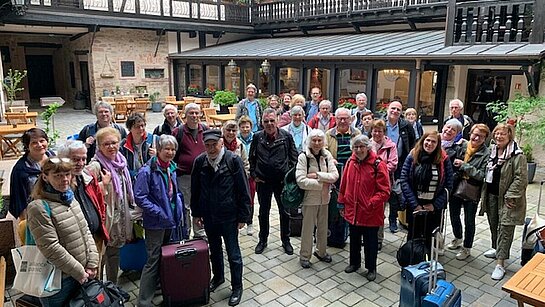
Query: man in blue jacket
(220, 201)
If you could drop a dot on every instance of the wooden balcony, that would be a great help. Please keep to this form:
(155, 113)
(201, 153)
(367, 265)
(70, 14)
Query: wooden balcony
(277, 14)
(495, 21)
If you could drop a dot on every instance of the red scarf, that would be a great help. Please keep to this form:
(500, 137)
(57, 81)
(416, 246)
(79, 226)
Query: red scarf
(230, 146)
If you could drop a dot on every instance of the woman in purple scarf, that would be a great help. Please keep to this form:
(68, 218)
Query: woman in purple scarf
(118, 195)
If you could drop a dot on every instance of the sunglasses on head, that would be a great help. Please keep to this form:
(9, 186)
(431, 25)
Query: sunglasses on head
(57, 160)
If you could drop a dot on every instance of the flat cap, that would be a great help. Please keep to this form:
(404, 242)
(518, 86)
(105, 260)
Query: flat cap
(211, 134)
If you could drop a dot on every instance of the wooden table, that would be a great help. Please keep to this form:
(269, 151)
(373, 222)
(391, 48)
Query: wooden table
(11, 142)
(222, 118)
(528, 284)
(31, 116)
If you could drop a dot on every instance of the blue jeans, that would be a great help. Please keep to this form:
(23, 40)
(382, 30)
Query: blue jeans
(229, 232)
(69, 286)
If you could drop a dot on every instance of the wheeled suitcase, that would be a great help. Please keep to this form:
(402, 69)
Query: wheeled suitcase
(28, 301)
(185, 272)
(415, 283)
(445, 294)
(532, 225)
(296, 221)
(441, 293)
(133, 256)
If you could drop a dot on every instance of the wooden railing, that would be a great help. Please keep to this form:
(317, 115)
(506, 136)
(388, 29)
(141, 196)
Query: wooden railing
(209, 10)
(495, 21)
(293, 10)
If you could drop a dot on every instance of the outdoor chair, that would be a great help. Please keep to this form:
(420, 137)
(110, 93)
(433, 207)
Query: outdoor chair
(18, 109)
(211, 123)
(121, 111)
(170, 99)
(108, 99)
(141, 106)
(232, 110)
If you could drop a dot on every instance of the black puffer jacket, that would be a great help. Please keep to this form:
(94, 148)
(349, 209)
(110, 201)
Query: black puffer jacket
(222, 196)
(271, 160)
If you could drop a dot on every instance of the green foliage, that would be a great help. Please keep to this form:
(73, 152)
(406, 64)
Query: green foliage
(11, 83)
(263, 102)
(225, 98)
(47, 117)
(528, 150)
(153, 97)
(527, 114)
(348, 105)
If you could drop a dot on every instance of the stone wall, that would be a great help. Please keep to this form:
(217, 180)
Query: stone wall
(111, 46)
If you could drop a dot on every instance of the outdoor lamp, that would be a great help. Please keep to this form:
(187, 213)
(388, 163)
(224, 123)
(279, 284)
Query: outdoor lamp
(232, 65)
(266, 66)
(19, 6)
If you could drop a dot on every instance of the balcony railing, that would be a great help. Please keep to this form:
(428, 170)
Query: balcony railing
(495, 21)
(210, 10)
(293, 10)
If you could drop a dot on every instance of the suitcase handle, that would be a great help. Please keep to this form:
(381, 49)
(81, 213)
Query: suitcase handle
(185, 253)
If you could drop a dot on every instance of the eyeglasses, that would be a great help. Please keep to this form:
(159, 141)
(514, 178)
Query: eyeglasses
(111, 144)
(343, 119)
(269, 121)
(57, 160)
(358, 147)
(231, 130)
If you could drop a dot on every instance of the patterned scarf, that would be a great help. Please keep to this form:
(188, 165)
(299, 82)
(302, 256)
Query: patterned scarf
(230, 146)
(119, 164)
(494, 161)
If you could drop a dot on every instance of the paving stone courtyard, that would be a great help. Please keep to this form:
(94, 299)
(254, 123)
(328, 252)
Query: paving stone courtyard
(276, 279)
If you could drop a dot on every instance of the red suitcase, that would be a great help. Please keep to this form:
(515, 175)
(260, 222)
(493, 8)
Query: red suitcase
(185, 272)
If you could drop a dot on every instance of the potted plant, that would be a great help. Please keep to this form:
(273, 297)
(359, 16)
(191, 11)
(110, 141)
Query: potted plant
(192, 90)
(156, 106)
(11, 84)
(48, 117)
(210, 91)
(526, 114)
(225, 99)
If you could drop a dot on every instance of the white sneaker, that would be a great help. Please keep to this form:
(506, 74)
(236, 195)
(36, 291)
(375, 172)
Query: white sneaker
(250, 230)
(498, 273)
(490, 254)
(455, 244)
(463, 254)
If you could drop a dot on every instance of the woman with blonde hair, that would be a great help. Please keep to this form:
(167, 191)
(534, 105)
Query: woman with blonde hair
(412, 117)
(119, 197)
(296, 100)
(59, 228)
(504, 194)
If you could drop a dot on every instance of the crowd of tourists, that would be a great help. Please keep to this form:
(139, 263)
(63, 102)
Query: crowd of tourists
(186, 178)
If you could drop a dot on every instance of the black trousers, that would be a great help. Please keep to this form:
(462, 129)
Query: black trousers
(370, 246)
(265, 192)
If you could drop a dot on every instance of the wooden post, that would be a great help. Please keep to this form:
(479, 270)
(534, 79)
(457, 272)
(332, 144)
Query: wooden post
(451, 19)
(538, 27)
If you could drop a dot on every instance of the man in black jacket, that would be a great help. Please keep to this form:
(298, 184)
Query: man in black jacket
(272, 155)
(402, 134)
(220, 201)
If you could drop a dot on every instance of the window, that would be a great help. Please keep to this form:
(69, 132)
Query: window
(320, 78)
(352, 82)
(289, 79)
(127, 69)
(212, 79)
(393, 84)
(182, 85)
(154, 73)
(428, 88)
(195, 79)
(232, 79)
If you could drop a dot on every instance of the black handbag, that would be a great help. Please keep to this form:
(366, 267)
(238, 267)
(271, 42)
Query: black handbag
(468, 191)
(96, 293)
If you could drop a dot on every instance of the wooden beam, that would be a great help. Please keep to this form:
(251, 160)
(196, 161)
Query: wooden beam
(74, 37)
(451, 19)
(158, 42)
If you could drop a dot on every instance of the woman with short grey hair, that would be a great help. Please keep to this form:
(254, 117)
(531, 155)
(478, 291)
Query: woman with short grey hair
(297, 128)
(315, 173)
(156, 192)
(365, 187)
(171, 122)
(448, 137)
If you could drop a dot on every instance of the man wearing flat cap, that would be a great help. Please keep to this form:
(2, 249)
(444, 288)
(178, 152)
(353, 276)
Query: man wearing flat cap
(220, 201)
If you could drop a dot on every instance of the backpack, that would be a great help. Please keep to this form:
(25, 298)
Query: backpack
(292, 195)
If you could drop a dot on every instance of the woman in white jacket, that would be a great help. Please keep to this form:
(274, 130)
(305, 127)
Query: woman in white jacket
(316, 172)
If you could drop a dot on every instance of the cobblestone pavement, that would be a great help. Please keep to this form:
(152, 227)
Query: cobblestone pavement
(276, 279)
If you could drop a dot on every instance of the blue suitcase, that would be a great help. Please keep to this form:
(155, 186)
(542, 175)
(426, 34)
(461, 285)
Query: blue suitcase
(445, 294)
(133, 256)
(415, 283)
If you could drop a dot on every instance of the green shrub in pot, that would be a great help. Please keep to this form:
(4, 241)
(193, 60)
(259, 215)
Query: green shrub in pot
(225, 98)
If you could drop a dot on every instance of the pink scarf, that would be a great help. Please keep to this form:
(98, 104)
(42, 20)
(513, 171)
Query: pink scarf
(119, 164)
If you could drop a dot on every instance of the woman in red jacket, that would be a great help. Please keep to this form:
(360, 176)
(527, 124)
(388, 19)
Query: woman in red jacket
(362, 199)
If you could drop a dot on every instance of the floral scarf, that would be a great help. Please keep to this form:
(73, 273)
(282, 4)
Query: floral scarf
(494, 161)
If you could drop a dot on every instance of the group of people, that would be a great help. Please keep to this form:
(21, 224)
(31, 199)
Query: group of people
(186, 178)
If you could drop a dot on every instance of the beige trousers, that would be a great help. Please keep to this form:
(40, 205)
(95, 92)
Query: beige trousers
(314, 216)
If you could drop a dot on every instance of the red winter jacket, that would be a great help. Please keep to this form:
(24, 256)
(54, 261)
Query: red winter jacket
(364, 191)
(315, 121)
(93, 190)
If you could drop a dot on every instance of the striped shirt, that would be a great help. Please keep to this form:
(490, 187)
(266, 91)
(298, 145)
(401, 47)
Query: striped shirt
(434, 183)
(343, 147)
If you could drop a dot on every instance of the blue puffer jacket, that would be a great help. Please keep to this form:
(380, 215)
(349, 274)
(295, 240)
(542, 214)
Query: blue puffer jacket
(446, 176)
(151, 194)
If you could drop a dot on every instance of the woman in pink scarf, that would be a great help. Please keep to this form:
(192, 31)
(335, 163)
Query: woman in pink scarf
(118, 195)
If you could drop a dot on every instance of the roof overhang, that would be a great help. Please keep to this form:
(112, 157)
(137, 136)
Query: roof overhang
(399, 46)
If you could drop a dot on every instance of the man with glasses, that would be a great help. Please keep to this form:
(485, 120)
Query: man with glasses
(103, 113)
(272, 155)
(312, 106)
(190, 145)
(456, 107)
(250, 107)
(338, 138)
(402, 134)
